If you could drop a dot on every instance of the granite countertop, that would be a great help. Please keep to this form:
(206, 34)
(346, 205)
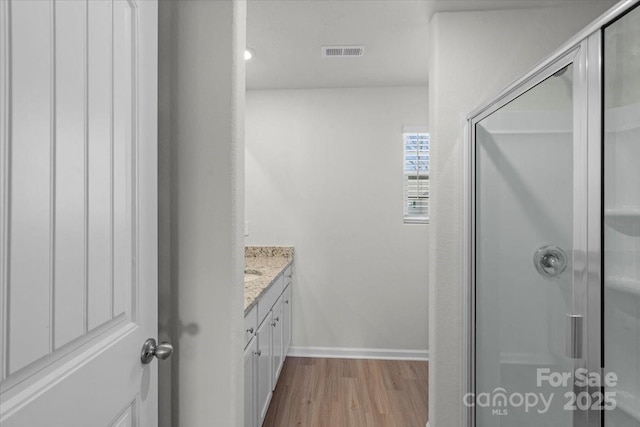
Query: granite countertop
(268, 260)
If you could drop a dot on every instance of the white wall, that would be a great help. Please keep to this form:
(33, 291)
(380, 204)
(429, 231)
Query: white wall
(201, 209)
(473, 56)
(324, 174)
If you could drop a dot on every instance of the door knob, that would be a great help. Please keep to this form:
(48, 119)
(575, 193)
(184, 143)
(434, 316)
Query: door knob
(150, 348)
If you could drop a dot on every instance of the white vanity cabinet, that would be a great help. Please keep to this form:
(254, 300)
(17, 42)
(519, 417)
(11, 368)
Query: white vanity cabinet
(287, 310)
(286, 319)
(267, 340)
(250, 325)
(264, 363)
(250, 400)
(277, 333)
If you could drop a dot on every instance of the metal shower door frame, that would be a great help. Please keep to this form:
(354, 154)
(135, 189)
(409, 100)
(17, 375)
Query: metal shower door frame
(576, 56)
(585, 52)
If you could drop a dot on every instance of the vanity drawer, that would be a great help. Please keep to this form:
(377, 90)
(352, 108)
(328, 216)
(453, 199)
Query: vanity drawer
(270, 297)
(250, 324)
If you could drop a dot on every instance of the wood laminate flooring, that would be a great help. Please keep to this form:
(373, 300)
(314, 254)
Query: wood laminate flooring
(313, 392)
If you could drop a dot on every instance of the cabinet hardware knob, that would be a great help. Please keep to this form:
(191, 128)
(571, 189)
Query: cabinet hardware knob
(258, 353)
(277, 319)
(274, 324)
(250, 330)
(286, 301)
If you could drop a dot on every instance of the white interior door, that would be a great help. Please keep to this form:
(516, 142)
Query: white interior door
(78, 229)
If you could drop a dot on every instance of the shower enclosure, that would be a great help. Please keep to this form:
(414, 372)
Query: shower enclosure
(553, 227)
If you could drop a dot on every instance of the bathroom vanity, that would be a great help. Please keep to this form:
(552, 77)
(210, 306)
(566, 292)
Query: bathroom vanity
(267, 324)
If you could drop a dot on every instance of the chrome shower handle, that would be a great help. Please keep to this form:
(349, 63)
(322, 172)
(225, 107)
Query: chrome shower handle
(550, 261)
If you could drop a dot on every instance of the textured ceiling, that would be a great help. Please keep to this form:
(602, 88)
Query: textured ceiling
(287, 36)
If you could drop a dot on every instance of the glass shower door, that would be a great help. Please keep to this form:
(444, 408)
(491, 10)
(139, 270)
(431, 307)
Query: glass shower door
(525, 230)
(621, 228)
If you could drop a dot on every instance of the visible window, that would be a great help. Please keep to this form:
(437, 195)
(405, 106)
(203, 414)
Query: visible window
(416, 175)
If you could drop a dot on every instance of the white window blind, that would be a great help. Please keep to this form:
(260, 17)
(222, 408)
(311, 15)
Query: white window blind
(416, 176)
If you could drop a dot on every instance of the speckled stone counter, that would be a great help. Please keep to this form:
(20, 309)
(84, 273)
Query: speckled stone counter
(270, 261)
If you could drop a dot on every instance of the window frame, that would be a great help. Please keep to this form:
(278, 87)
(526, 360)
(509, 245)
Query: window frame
(415, 218)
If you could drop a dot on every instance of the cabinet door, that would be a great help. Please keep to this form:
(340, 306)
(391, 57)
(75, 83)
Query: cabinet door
(286, 321)
(250, 325)
(264, 357)
(278, 342)
(249, 384)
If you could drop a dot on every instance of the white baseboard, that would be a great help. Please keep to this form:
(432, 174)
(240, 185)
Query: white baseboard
(359, 353)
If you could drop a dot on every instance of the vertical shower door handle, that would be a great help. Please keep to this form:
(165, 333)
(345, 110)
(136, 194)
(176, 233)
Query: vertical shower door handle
(574, 336)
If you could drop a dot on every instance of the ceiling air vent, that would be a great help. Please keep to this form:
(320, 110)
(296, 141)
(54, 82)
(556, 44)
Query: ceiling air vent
(342, 51)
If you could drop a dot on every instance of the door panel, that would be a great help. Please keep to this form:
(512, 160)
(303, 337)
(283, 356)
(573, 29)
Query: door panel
(277, 334)
(524, 251)
(250, 383)
(99, 161)
(127, 418)
(265, 357)
(123, 158)
(69, 174)
(78, 237)
(286, 324)
(622, 217)
(29, 212)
